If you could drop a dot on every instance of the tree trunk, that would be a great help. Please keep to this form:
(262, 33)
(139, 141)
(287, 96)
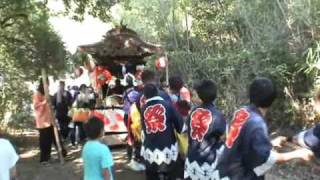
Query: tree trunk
(187, 30)
(174, 24)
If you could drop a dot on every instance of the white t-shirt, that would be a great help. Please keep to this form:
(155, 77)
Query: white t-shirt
(8, 159)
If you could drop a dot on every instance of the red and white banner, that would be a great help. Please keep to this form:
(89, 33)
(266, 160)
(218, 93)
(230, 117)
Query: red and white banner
(113, 119)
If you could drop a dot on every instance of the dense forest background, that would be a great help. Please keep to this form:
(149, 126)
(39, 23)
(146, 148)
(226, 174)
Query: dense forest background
(229, 41)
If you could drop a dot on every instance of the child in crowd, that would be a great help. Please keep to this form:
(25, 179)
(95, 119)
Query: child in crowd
(180, 95)
(205, 125)
(181, 99)
(178, 89)
(159, 145)
(97, 158)
(248, 153)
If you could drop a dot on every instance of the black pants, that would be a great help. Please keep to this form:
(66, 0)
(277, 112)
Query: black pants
(125, 120)
(46, 139)
(160, 172)
(178, 169)
(63, 124)
(152, 175)
(133, 151)
(129, 147)
(136, 151)
(82, 135)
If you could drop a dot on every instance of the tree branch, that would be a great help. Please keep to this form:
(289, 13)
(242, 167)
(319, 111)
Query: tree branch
(221, 6)
(3, 5)
(4, 23)
(11, 39)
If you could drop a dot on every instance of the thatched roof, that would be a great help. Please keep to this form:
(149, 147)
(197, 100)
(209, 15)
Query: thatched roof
(121, 45)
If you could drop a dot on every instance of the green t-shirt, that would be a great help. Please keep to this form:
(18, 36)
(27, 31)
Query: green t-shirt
(96, 157)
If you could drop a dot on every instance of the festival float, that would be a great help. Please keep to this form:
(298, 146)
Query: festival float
(121, 51)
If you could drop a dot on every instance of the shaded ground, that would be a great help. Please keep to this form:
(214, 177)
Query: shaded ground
(29, 168)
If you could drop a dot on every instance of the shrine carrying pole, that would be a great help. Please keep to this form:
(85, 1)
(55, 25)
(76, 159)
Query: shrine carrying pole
(167, 69)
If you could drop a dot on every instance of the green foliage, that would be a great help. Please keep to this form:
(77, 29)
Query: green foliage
(312, 65)
(97, 8)
(27, 44)
(232, 42)
(229, 41)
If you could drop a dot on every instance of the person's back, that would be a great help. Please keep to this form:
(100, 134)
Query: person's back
(141, 100)
(245, 154)
(164, 126)
(62, 101)
(248, 152)
(62, 104)
(41, 111)
(8, 159)
(130, 95)
(159, 122)
(205, 125)
(97, 158)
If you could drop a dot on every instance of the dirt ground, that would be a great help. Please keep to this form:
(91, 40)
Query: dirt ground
(29, 168)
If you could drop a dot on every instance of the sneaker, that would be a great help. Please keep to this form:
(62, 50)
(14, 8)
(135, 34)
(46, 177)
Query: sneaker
(135, 166)
(142, 166)
(45, 163)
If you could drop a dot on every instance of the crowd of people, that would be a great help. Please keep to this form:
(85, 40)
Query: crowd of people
(216, 150)
(181, 134)
(70, 127)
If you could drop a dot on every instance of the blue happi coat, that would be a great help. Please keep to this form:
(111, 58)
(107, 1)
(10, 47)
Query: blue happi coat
(159, 145)
(205, 127)
(311, 139)
(141, 100)
(247, 153)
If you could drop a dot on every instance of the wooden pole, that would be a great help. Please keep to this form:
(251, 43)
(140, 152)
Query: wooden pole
(53, 122)
(167, 69)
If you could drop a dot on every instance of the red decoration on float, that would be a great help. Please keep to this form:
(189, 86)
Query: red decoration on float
(100, 76)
